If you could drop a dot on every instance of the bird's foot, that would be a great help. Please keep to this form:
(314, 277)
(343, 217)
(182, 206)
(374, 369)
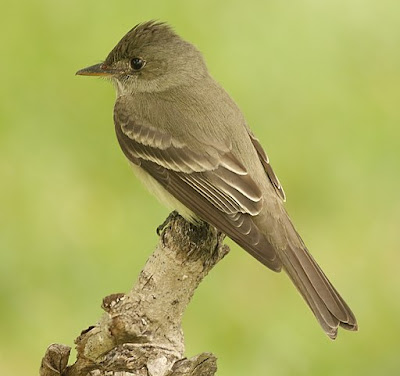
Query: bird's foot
(163, 225)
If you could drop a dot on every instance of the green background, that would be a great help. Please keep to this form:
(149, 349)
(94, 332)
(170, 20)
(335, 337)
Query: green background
(319, 83)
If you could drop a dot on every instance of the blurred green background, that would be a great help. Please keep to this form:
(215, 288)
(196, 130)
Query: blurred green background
(319, 82)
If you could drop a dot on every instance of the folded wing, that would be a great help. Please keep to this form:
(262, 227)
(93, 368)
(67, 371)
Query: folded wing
(209, 181)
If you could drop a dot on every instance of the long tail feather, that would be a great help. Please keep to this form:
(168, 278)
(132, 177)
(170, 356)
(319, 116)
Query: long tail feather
(327, 305)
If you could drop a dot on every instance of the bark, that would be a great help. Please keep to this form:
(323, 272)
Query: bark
(141, 332)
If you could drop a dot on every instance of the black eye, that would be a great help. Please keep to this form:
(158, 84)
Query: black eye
(137, 63)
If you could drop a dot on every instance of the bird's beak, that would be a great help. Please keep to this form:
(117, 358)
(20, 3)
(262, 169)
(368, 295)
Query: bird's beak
(96, 70)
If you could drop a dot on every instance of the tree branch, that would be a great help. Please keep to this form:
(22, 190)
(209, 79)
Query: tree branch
(141, 332)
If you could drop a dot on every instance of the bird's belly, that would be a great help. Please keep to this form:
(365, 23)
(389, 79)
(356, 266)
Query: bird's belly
(162, 194)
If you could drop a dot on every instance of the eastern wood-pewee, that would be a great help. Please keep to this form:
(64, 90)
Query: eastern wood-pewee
(187, 140)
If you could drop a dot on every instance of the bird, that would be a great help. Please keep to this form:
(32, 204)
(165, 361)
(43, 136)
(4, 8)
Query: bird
(189, 143)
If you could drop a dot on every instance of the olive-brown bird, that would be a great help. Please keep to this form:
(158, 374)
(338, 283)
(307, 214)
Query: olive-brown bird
(189, 143)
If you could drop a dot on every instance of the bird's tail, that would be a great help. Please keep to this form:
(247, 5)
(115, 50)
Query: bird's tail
(325, 302)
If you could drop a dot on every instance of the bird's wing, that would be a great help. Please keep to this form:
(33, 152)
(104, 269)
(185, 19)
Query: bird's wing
(210, 182)
(267, 167)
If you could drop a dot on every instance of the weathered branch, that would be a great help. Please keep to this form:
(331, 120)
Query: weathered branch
(141, 334)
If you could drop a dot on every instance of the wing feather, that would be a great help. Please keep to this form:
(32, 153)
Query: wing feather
(267, 167)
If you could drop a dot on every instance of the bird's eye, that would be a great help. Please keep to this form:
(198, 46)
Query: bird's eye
(137, 63)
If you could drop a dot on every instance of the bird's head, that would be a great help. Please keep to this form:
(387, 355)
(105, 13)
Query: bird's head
(151, 57)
